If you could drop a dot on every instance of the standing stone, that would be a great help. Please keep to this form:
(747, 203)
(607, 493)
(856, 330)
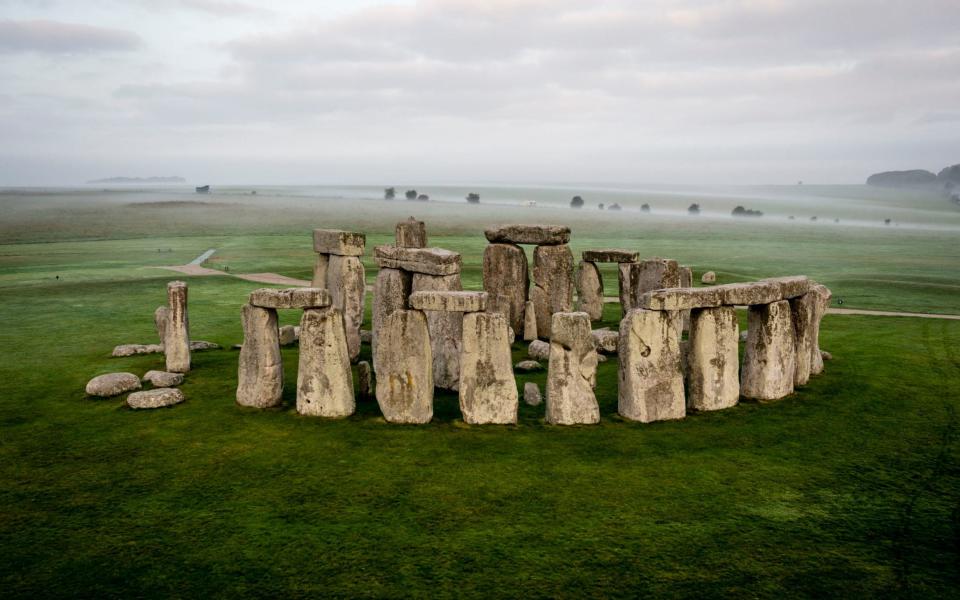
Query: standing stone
(260, 373)
(364, 379)
(347, 284)
(529, 322)
(488, 390)
(176, 339)
(590, 290)
(653, 274)
(552, 290)
(320, 271)
(713, 375)
(505, 274)
(650, 376)
(324, 380)
(531, 394)
(623, 282)
(390, 293)
(446, 331)
(405, 368)
(769, 358)
(160, 317)
(823, 296)
(686, 281)
(573, 365)
(802, 311)
(411, 234)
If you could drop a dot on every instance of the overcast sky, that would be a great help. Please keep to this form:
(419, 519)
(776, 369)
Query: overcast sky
(373, 91)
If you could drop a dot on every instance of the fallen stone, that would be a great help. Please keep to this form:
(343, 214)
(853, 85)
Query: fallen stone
(590, 290)
(713, 377)
(112, 384)
(826, 355)
(176, 340)
(324, 379)
(540, 235)
(156, 398)
(528, 365)
(390, 293)
(680, 299)
(803, 311)
(364, 379)
(338, 243)
(506, 278)
(605, 340)
(288, 335)
(428, 261)
(610, 256)
(708, 277)
(749, 294)
(539, 350)
(260, 365)
(163, 378)
(366, 336)
(488, 390)
(199, 345)
(347, 284)
(553, 285)
(160, 318)
(769, 357)
(531, 394)
(650, 377)
(404, 367)
(411, 234)
(571, 372)
(791, 287)
(529, 322)
(464, 302)
(446, 331)
(295, 298)
(124, 350)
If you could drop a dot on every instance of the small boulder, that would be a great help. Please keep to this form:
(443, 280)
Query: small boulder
(539, 350)
(124, 350)
(158, 398)
(743, 335)
(288, 335)
(528, 365)
(826, 355)
(112, 384)
(163, 379)
(366, 336)
(196, 345)
(531, 394)
(605, 340)
(708, 277)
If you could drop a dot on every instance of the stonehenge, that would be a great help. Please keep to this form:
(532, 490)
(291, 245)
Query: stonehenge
(590, 282)
(338, 269)
(176, 332)
(404, 368)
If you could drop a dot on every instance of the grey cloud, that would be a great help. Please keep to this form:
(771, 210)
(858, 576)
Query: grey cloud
(54, 37)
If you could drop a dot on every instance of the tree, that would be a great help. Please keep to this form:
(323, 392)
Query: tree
(411, 194)
(423, 197)
(614, 206)
(576, 202)
(645, 208)
(694, 209)
(473, 198)
(600, 206)
(389, 193)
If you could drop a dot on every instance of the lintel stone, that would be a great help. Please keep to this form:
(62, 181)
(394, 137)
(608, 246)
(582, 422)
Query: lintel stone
(428, 261)
(610, 256)
(464, 302)
(680, 299)
(340, 243)
(290, 298)
(538, 235)
(750, 294)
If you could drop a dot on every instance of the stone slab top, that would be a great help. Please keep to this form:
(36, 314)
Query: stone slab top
(765, 291)
(340, 243)
(290, 298)
(538, 235)
(449, 301)
(429, 261)
(792, 286)
(176, 284)
(680, 299)
(610, 256)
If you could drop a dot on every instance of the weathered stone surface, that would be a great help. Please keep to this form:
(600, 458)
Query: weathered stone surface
(488, 390)
(156, 398)
(505, 274)
(364, 379)
(680, 299)
(610, 256)
(571, 372)
(338, 243)
(446, 331)
(708, 277)
(606, 341)
(686, 277)
(824, 355)
(320, 266)
(390, 293)
(176, 339)
(713, 374)
(296, 298)
(601, 358)
(288, 335)
(405, 368)
(531, 394)
(623, 281)
(198, 345)
(650, 376)
(769, 358)
(529, 365)
(463, 302)
(648, 275)
(792, 286)
(124, 350)
(112, 384)
(160, 317)
(260, 370)
(429, 261)
(539, 350)
(823, 295)
(552, 289)
(540, 235)
(802, 311)
(347, 284)
(529, 322)
(366, 336)
(590, 290)
(163, 378)
(511, 335)
(411, 234)
(749, 294)
(324, 379)
(743, 335)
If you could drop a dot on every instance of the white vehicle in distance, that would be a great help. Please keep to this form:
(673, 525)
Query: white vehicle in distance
(529, 203)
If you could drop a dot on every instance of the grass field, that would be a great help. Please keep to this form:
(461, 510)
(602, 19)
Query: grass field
(850, 487)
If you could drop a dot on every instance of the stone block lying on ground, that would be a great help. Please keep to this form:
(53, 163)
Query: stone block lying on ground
(338, 243)
(606, 340)
(539, 350)
(610, 256)
(158, 398)
(453, 301)
(163, 378)
(429, 261)
(538, 235)
(112, 384)
(708, 277)
(298, 298)
(528, 365)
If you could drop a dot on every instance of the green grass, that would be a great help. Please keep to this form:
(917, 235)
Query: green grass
(850, 487)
